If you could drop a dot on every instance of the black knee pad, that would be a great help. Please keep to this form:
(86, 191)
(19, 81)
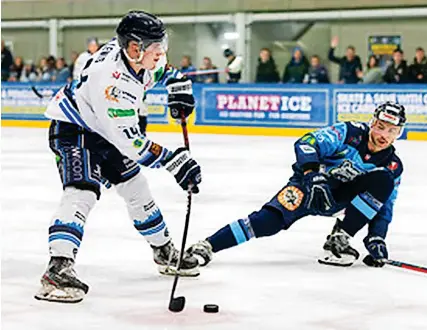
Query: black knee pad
(266, 222)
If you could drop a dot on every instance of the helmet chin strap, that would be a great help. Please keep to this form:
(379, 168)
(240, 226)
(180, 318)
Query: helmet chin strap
(130, 59)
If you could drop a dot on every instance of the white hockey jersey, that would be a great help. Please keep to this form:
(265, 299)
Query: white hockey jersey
(107, 98)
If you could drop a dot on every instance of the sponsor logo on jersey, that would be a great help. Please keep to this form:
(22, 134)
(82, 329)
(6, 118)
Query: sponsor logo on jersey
(290, 197)
(113, 93)
(137, 143)
(155, 149)
(120, 113)
(116, 74)
(307, 149)
(367, 157)
(393, 166)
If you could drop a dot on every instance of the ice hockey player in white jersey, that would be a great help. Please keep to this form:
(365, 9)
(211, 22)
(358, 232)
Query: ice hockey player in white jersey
(94, 134)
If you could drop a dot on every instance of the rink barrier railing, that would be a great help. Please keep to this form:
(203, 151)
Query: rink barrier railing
(247, 109)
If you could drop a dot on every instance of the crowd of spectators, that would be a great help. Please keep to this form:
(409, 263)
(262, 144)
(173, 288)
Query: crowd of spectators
(300, 69)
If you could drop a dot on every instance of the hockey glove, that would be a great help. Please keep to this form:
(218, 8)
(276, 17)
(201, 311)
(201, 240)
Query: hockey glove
(377, 251)
(320, 195)
(185, 169)
(180, 97)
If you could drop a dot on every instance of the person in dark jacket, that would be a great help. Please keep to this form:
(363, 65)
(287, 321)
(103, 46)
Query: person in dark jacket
(397, 72)
(418, 69)
(266, 71)
(187, 67)
(208, 78)
(317, 73)
(350, 64)
(6, 62)
(297, 68)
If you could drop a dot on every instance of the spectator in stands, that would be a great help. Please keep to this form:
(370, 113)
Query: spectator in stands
(373, 73)
(62, 71)
(397, 72)
(6, 62)
(48, 69)
(266, 71)
(418, 69)
(29, 73)
(92, 47)
(317, 73)
(234, 66)
(16, 69)
(74, 56)
(297, 68)
(208, 78)
(187, 66)
(349, 64)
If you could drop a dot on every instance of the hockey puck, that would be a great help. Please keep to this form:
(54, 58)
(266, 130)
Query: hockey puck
(211, 308)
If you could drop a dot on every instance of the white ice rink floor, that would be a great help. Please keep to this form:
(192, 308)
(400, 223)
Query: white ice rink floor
(271, 283)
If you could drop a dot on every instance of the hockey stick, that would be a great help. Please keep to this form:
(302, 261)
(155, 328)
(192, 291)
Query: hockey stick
(35, 91)
(406, 266)
(177, 304)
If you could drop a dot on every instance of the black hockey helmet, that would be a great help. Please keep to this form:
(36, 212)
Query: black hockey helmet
(141, 27)
(392, 113)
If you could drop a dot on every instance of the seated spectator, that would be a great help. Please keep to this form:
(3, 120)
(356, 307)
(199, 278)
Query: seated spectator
(16, 69)
(187, 66)
(208, 78)
(6, 62)
(297, 68)
(29, 73)
(397, 72)
(48, 70)
(266, 71)
(317, 73)
(234, 66)
(418, 69)
(349, 64)
(62, 71)
(373, 73)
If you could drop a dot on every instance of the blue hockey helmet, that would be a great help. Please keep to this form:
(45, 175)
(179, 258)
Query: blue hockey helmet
(392, 113)
(143, 28)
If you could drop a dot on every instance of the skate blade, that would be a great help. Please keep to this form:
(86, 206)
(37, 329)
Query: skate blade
(171, 271)
(61, 295)
(330, 259)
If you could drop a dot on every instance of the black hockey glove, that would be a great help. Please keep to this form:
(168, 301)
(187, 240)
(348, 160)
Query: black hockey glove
(180, 97)
(185, 169)
(320, 196)
(377, 251)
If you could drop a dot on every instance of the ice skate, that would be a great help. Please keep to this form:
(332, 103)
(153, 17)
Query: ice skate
(202, 250)
(337, 249)
(167, 257)
(60, 283)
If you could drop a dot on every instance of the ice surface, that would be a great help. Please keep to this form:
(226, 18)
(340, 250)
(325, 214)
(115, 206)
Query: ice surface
(271, 283)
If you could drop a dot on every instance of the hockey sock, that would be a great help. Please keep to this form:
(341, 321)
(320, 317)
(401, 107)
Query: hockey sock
(365, 206)
(143, 211)
(67, 226)
(265, 222)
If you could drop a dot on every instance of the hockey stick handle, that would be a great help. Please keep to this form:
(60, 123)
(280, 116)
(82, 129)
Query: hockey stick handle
(187, 216)
(405, 265)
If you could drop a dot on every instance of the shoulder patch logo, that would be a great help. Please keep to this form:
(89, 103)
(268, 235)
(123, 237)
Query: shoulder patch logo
(393, 166)
(116, 74)
(290, 197)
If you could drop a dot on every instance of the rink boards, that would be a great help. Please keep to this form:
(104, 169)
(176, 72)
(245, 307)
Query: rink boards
(248, 109)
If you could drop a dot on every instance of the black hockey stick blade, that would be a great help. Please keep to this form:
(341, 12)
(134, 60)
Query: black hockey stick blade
(177, 304)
